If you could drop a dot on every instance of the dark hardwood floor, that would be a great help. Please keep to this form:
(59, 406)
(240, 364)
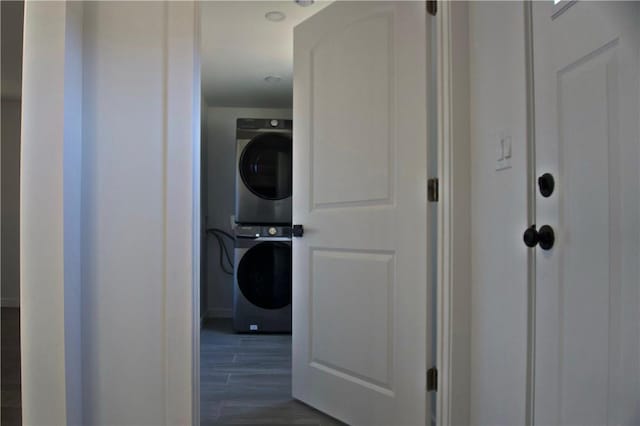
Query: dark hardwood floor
(246, 379)
(10, 400)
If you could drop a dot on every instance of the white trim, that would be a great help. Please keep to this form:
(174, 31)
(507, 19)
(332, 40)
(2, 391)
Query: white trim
(443, 397)
(181, 213)
(454, 267)
(197, 221)
(196, 236)
(531, 208)
(10, 302)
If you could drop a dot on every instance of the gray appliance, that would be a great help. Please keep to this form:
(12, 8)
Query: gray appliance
(263, 171)
(262, 279)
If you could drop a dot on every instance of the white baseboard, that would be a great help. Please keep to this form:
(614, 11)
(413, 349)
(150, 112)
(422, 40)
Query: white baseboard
(10, 302)
(218, 313)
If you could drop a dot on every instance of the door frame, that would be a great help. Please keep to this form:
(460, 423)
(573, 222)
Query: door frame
(530, 147)
(453, 218)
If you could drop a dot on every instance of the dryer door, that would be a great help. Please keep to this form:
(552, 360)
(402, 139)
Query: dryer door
(265, 166)
(264, 275)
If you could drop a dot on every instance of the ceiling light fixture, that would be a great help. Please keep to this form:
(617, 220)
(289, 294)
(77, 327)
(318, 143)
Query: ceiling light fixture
(304, 3)
(275, 16)
(273, 79)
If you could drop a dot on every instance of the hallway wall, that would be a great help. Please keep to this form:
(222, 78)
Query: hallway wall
(220, 190)
(140, 166)
(498, 214)
(110, 213)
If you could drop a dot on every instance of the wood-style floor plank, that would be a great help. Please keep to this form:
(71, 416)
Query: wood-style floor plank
(245, 379)
(257, 389)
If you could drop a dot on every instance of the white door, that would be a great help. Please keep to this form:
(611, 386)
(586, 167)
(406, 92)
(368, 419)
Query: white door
(586, 79)
(360, 297)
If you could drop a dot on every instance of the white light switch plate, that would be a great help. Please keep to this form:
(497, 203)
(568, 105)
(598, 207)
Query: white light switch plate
(503, 151)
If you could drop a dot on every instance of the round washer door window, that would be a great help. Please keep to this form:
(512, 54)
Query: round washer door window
(264, 275)
(265, 166)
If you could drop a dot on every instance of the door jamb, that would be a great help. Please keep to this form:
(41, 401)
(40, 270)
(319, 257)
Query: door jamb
(531, 211)
(454, 229)
(197, 224)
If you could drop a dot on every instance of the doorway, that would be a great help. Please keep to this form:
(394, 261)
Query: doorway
(247, 101)
(360, 232)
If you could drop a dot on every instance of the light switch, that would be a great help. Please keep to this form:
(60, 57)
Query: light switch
(506, 146)
(503, 151)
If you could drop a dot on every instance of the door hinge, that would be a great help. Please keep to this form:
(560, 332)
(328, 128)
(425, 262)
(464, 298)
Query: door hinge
(433, 190)
(432, 379)
(432, 7)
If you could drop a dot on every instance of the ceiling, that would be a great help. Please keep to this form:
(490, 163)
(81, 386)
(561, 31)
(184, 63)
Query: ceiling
(240, 48)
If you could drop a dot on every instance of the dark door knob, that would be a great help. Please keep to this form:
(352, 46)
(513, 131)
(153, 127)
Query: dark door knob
(546, 183)
(545, 237)
(530, 236)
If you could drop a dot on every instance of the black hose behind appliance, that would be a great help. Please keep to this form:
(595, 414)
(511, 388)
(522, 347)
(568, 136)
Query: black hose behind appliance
(220, 236)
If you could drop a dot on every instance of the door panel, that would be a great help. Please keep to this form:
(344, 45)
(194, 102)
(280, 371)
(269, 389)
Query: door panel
(340, 342)
(362, 85)
(586, 106)
(360, 302)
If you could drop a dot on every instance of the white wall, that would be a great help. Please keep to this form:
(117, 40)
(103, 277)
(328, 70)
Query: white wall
(123, 213)
(138, 211)
(110, 213)
(50, 302)
(10, 202)
(220, 184)
(498, 199)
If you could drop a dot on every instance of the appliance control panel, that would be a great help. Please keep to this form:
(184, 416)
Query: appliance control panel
(262, 231)
(264, 124)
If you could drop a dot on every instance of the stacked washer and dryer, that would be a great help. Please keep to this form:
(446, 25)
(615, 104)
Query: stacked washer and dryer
(262, 255)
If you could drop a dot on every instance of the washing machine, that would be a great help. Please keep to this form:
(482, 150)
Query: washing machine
(262, 279)
(263, 171)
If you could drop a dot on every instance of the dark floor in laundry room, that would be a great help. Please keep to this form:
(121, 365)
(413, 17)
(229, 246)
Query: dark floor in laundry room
(246, 379)
(10, 392)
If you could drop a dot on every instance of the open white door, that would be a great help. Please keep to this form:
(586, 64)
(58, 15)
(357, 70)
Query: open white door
(360, 299)
(587, 97)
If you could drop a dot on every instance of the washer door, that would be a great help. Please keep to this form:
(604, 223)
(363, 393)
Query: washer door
(264, 275)
(265, 166)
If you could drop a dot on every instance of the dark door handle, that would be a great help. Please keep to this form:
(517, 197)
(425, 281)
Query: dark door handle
(546, 183)
(545, 237)
(530, 236)
(297, 231)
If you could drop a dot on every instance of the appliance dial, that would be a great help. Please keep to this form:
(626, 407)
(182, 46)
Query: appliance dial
(272, 231)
